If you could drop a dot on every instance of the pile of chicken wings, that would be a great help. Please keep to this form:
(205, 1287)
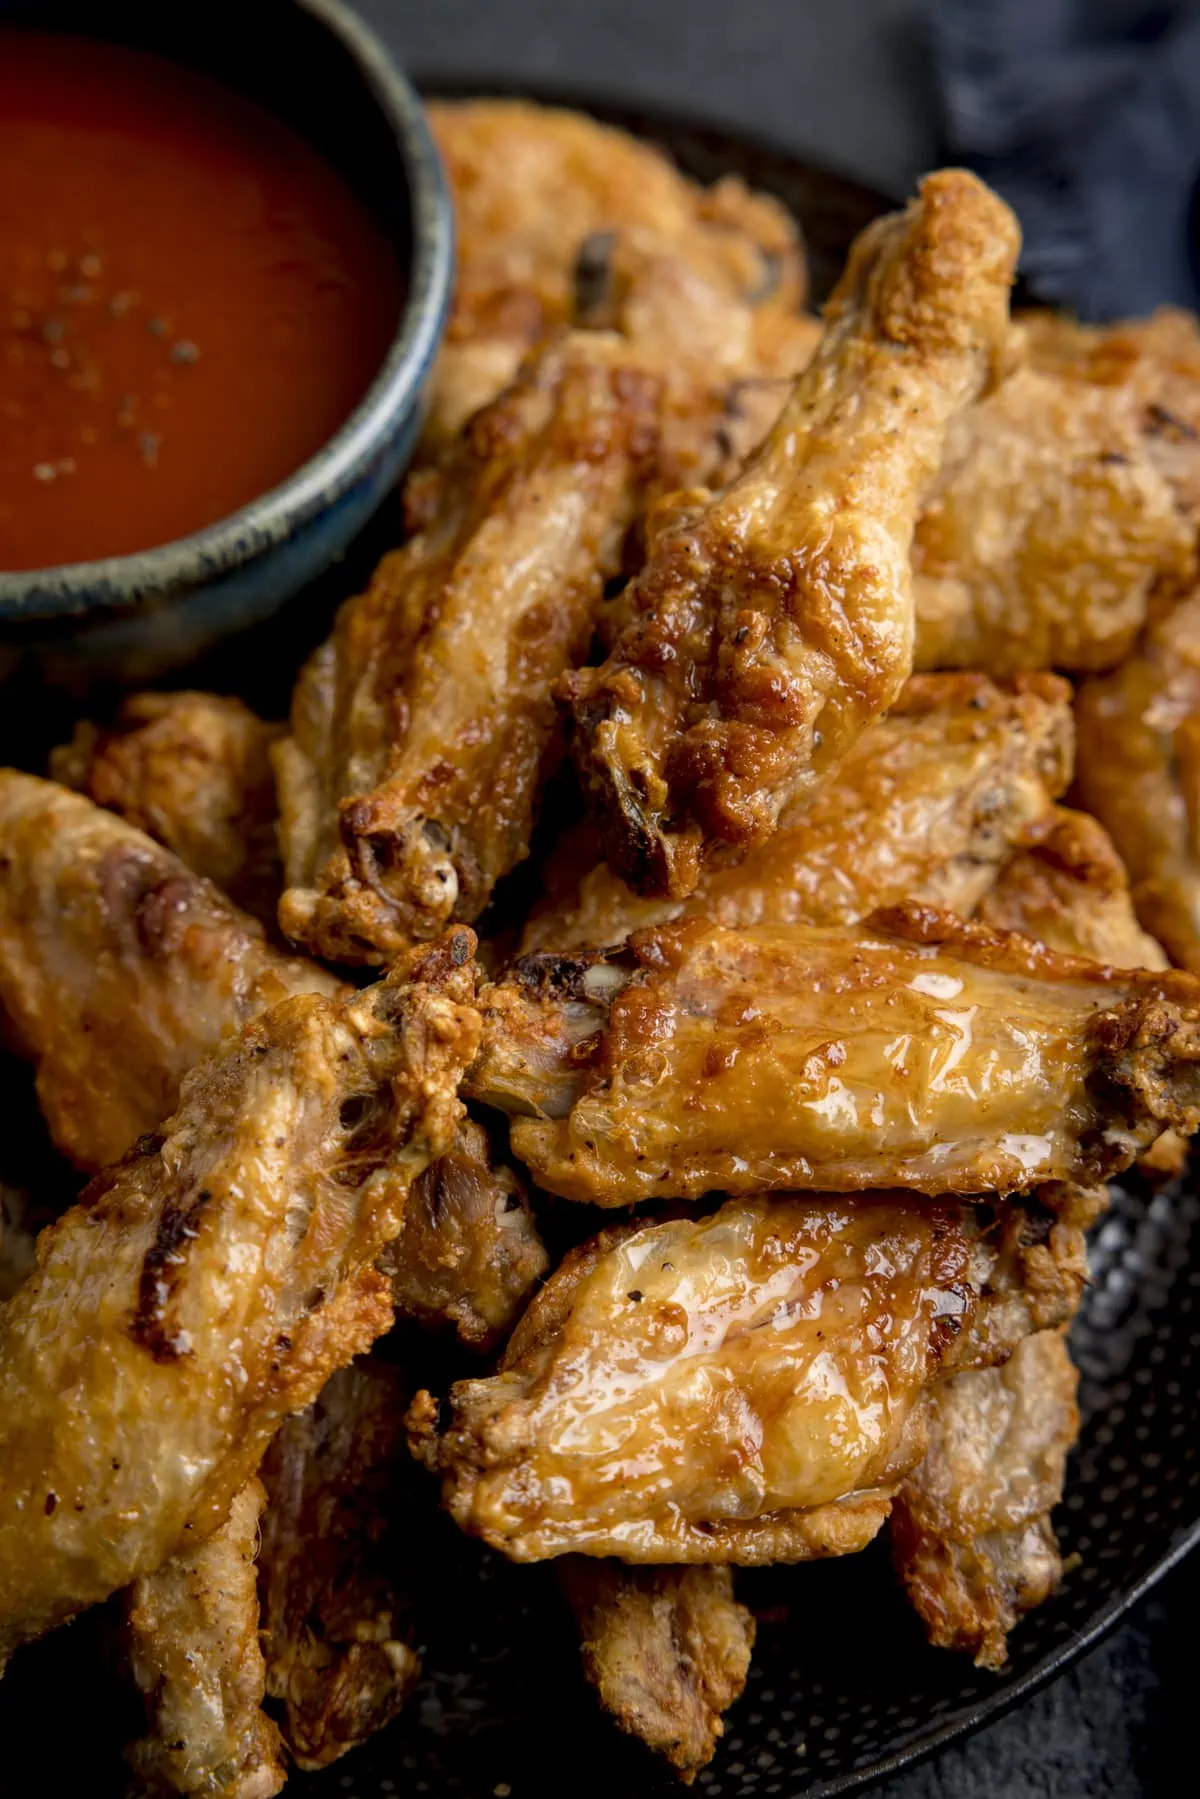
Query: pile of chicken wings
(725, 902)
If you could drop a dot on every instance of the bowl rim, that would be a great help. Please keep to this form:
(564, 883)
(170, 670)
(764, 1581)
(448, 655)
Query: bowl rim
(121, 583)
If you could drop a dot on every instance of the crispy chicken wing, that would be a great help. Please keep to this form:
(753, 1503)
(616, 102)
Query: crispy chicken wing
(773, 623)
(925, 807)
(196, 1657)
(422, 727)
(970, 1527)
(1139, 772)
(1069, 890)
(914, 1050)
(743, 1387)
(193, 771)
(340, 1654)
(667, 1650)
(119, 968)
(209, 1284)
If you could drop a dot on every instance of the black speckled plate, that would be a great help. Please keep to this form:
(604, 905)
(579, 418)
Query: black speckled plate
(843, 1688)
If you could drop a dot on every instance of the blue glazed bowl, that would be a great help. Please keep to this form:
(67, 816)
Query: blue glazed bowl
(318, 67)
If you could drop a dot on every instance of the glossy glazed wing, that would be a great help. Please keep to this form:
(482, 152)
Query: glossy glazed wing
(913, 1050)
(667, 1650)
(740, 1388)
(1139, 772)
(209, 1284)
(772, 624)
(469, 1254)
(971, 1532)
(925, 807)
(193, 771)
(333, 1563)
(1045, 531)
(422, 727)
(119, 968)
(1069, 890)
(195, 1655)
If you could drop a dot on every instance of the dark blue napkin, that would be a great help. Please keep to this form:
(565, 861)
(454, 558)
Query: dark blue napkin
(1085, 115)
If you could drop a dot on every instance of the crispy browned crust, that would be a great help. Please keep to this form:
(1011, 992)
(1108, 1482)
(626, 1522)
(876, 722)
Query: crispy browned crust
(667, 1650)
(915, 1049)
(926, 806)
(193, 771)
(422, 728)
(772, 624)
(191, 1636)
(119, 967)
(333, 1565)
(240, 1239)
(970, 1527)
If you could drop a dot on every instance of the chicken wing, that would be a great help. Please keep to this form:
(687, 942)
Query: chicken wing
(1139, 772)
(119, 968)
(739, 1388)
(970, 1528)
(537, 192)
(914, 1050)
(667, 1650)
(210, 1283)
(1069, 890)
(421, 728)
(773, 623)
(196, 1657)
(339, 1643)
(925, 807)
(193, 771)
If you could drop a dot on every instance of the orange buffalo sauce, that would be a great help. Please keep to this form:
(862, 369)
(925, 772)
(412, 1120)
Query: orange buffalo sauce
(191, 300)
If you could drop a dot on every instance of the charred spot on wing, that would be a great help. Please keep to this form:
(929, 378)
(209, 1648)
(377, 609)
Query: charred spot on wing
(162, 1265)
(592, 275)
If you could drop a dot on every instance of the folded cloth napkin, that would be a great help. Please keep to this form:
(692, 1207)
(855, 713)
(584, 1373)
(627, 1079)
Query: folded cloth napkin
(1085, 115)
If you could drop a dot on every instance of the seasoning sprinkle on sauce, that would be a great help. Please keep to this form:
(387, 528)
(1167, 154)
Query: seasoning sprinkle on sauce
(191, 300)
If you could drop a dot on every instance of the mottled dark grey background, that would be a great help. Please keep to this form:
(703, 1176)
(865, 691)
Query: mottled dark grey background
(843, 82)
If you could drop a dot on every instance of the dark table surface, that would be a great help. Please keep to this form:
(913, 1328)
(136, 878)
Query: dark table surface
(843, 83)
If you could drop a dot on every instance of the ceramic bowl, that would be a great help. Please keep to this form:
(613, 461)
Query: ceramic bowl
(318, 67)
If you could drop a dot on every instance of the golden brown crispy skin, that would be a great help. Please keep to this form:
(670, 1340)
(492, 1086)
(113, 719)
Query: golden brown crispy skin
(537, 191)
(119, 968)
(195, 1654)
(422, 727)
(970, 1527)
(1045, 531)
(193, 771)
(740, 1388)
(1139, 772)
(332, 1562)
(925, 807)
(1069, 890)
(773, 623)
(469, 1253)
(208, 1285)
(667, 1650)
(913, 1050)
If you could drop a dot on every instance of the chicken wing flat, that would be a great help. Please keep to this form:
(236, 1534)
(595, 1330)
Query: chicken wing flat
(1139, 773)
(926, 806)
(1069, 890)
(970, 1528)
(119, 968)
(739, 1388)
(667, 1650)
(772, 624)
(197, 1660)
(209, 1284)
(1045, 531)
(537, 193)
(193, 771)
(914, 1050)
(421, 729)
(340, 1656)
